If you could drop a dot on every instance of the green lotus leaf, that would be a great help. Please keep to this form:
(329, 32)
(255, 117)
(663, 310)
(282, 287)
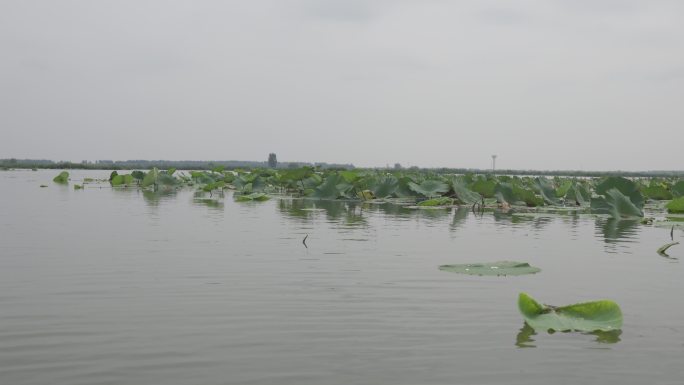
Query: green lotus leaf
(677, 189)
(350, 176)
(259, 197)
(545, 188)
(384, 187)
(563, 187)
(593, 316)
(676, 206)
(297, 174)
(500, 268)
(150, 178)
(403, 189)
(657, 191)
(332, 188)
(62, 178)
(516, 195)
(627, 187)
(165, 179)
(615, 204)
(484, 187)
(434, 202)
(578, 193)
(429, 188)
(462, 193)
(121, 179)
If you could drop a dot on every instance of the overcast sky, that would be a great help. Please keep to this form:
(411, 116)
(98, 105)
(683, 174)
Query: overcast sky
(550, 84)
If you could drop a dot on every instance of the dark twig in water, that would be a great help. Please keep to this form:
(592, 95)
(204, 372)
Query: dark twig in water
(672, 233)
(304, 241)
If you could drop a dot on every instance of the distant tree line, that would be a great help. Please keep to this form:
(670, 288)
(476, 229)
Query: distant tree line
(161, 164)
(273, 163)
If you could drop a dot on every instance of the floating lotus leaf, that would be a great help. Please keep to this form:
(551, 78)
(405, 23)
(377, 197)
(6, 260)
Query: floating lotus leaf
(259, 197)
(429, 188)
(593, 316)
(441, 201)
(63, 177)
(493, 268)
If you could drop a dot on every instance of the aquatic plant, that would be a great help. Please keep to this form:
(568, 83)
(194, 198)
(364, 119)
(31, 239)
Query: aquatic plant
(676, 206)
(499, 268)
(619, 198)
(259, 197)
(62, 178)
(603, 315)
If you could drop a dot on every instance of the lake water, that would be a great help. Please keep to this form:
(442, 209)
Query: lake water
(103, 286)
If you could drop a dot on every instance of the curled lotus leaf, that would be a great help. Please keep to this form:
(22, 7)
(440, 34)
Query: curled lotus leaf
(603, 315)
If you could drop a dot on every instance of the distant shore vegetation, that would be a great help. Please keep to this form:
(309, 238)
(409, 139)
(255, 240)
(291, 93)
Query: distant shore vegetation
(12, 163)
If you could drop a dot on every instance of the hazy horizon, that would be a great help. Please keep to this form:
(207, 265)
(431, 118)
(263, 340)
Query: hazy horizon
(545, 85)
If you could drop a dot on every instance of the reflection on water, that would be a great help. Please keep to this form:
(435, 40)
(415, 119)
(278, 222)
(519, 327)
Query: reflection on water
(153, 198)
(208, 290)
(617, 231)
(524, 337)
(460, 217)
(211, 200)
(349, 213)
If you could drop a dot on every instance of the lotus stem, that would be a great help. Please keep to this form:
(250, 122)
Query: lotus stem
(664, 248)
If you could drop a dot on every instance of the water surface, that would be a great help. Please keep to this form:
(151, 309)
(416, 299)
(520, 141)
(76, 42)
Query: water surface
(103, 286)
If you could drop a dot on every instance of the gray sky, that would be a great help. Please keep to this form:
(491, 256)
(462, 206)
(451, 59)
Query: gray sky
(551, 84)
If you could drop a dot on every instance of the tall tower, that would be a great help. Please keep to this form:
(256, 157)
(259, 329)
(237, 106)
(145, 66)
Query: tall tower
(493, 162)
